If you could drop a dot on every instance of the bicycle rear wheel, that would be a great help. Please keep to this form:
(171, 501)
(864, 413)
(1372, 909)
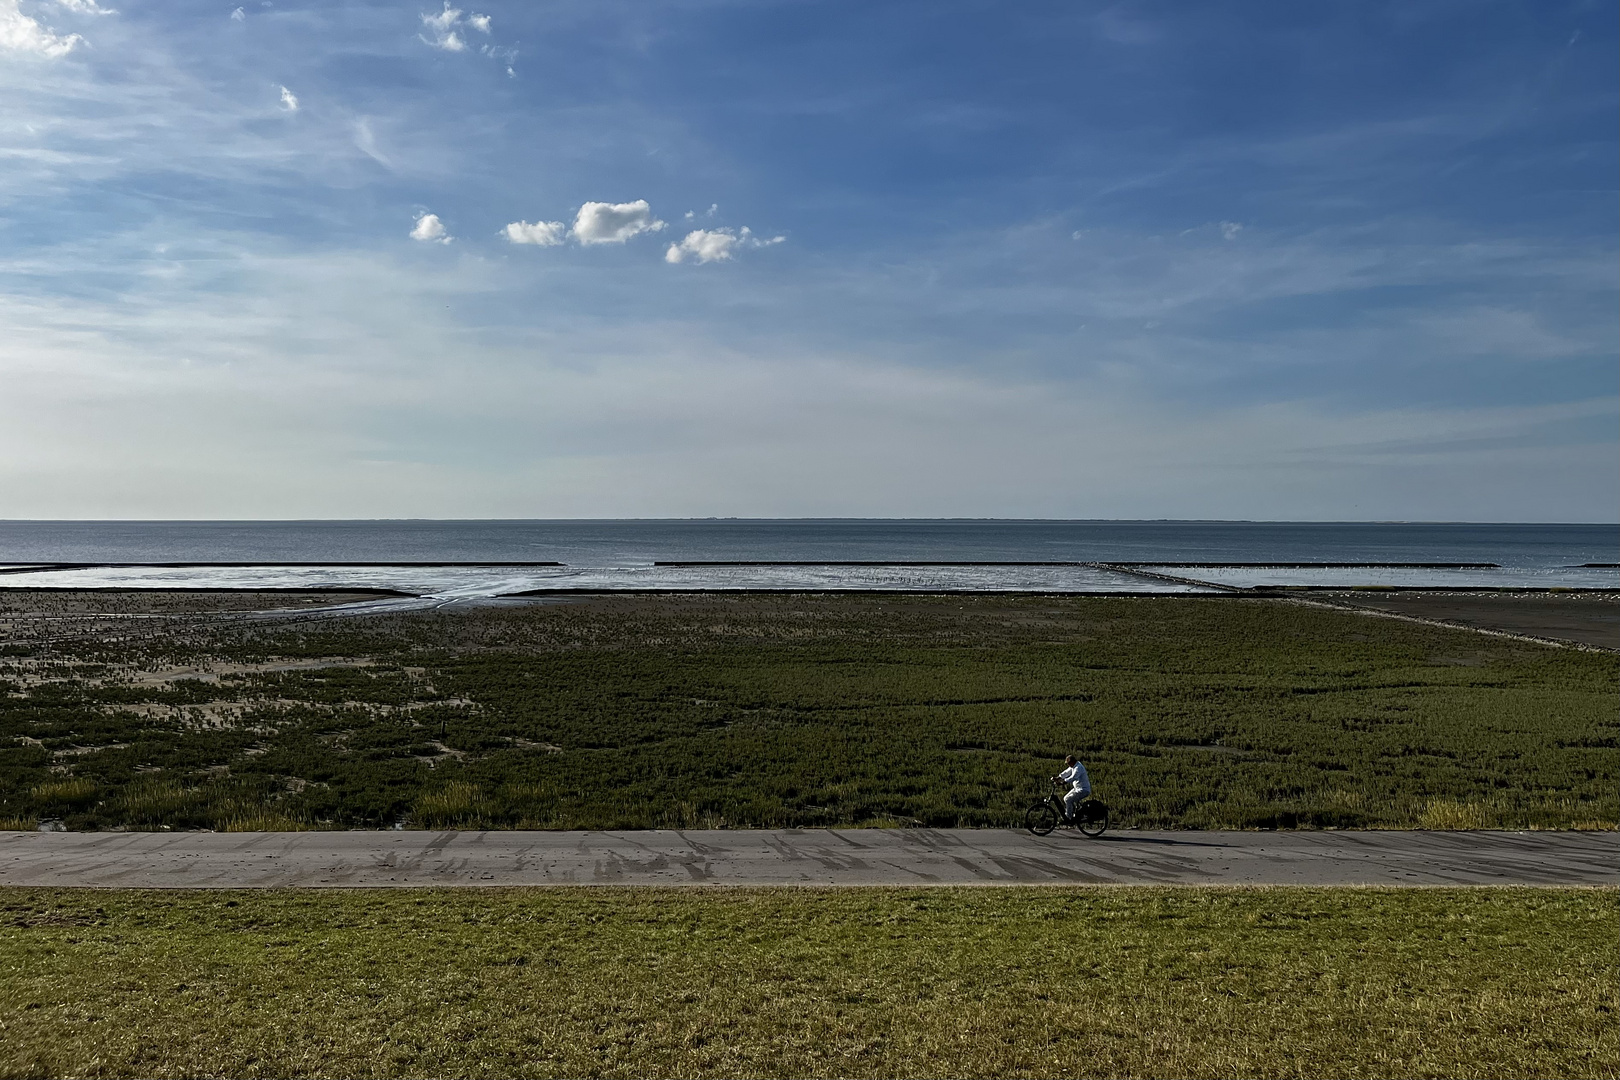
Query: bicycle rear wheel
(1092, 817)
(1041, 818)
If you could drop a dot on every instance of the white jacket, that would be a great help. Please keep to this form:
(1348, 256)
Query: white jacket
(1075, 776)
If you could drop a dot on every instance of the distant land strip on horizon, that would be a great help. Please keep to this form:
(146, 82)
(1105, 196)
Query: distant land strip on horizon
(39, 567)
(36, 567)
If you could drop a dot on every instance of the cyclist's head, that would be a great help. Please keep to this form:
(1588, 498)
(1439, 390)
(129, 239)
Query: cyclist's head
(1069, 760)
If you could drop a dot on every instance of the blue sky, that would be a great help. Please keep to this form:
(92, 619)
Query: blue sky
(1252, 260)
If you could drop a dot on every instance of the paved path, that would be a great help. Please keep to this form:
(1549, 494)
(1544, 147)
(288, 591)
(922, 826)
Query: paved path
(804, 857)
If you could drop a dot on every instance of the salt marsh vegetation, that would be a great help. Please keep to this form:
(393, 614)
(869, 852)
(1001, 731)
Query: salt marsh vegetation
(802, 710)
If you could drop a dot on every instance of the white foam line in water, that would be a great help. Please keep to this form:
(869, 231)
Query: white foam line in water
(449, 583)
(463, 582)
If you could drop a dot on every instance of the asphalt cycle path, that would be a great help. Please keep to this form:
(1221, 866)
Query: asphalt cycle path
(853, 857)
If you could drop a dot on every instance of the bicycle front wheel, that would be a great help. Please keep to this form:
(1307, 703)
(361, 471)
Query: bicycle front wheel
(1093, 817)
(1041, 818)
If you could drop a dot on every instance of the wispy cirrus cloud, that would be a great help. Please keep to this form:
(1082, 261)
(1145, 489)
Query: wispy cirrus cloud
(446, 29)
(168, 101)
(365, 139)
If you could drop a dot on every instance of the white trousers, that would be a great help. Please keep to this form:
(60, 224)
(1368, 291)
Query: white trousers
(1074, 798)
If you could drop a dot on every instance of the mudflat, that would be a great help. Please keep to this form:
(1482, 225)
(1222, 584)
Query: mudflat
(1591, 619)
(53, 614)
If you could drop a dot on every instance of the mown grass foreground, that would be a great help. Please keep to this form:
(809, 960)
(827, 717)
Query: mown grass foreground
(807, 710)
(800, 982)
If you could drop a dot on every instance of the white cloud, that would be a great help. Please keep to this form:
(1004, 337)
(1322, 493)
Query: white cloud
(501, 54)
(443, 28)
(289, 100)
(1484, 330)
(430, 229)
(239, 15)
(445, 31)
(704, 245)
(86, 7)
(614, 223)
(715, 245)
(539, 233)
(23, 33)
(1230, 230)
(366, 141)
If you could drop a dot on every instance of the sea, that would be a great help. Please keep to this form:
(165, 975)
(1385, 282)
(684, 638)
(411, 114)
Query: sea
(471, 559)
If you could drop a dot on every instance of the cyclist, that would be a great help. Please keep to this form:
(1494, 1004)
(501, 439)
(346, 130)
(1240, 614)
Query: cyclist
(1079, 785)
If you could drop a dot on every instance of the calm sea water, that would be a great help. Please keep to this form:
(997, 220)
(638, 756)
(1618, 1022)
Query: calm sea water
(640, 543)
(622, 554)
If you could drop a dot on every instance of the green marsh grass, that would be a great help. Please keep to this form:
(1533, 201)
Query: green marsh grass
(1187, 982)
(746, 711)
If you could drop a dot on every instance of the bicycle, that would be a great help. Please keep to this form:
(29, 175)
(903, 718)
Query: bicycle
(1090, 817)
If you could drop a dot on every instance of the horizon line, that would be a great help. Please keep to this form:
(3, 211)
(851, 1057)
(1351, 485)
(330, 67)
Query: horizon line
(739, 519)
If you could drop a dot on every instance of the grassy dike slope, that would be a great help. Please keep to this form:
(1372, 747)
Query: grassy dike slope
(807, 710)
(801, 982)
